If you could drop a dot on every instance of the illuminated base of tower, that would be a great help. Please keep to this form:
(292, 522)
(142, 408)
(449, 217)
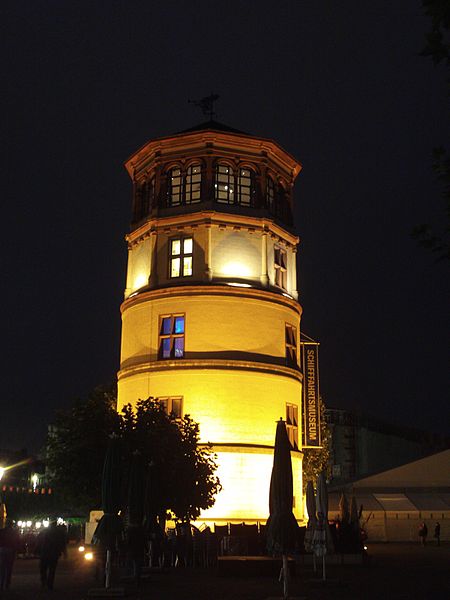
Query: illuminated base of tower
(244, 472)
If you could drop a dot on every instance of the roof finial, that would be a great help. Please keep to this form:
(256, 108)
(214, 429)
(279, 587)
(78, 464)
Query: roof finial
(207, 105)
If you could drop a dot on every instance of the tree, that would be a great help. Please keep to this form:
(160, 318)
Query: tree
(438, 48)
(76, 447)
(316, 460)
(181, 471)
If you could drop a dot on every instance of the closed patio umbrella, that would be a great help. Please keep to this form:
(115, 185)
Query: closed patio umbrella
(311, 508)
(136, 490)
(344, 510)
(322, 536)
(312, 520)
(282, 528)
(109, 527)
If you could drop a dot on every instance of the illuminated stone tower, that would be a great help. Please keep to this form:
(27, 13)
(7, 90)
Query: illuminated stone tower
(211, 320)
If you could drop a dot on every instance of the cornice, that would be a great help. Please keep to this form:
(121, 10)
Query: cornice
(248, 448)
(212, 142)
(210, 219)
(215, 364)
(210, 290)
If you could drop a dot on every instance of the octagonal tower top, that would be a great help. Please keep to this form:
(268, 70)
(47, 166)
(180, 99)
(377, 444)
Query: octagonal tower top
(212, 167)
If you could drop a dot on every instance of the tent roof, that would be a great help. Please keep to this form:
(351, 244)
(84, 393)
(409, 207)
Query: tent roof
(428, 472)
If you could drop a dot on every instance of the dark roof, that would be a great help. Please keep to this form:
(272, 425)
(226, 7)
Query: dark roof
(214, 126)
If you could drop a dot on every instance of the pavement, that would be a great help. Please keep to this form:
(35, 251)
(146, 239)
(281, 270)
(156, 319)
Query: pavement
(394, 571)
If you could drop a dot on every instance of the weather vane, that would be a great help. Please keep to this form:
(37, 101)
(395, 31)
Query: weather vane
(207, 105)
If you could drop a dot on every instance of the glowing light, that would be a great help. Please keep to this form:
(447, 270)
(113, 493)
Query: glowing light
(140, 280)
(45, 522)
(38, 524)
(81, 549)
(234, 284)
(29, 523)
(236, 269)
(34, 480)
(89, 556)
(365, 547)
(2, 472)
(20, 523)
(60, 521)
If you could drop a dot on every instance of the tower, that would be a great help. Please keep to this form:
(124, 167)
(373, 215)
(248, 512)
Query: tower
(211, 318)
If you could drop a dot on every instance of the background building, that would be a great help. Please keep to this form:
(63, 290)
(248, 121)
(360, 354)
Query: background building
(211, 319)
(395, 502)
(362, 445)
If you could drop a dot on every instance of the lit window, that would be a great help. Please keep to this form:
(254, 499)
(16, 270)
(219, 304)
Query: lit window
(174, 187)
(280, 264)
(224, 184)
(180, 262)
(193, 183)
(291, 346)
(292, 424)
(173, 405)
(171, 337)
(245, 187)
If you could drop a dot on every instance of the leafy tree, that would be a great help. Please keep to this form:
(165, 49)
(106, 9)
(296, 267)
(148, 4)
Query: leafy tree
(181, 472)
(438, 48)
(76, 447)
(317, 460)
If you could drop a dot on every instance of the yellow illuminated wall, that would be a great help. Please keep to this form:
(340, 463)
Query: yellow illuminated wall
(236, 395)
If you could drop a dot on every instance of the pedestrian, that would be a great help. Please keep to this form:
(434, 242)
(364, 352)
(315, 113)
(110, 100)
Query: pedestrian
(437, 533)
(9, 544)
(423, 532)
(50, 545)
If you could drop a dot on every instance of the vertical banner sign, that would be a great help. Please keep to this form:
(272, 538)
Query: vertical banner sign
(311, 408)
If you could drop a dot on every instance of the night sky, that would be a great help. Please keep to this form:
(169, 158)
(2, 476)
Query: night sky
(340, 85)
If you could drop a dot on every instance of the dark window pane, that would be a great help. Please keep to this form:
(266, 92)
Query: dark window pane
(176, 407)
(166, 348)
(166, 326)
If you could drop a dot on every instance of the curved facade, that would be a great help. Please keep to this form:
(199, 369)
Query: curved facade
(210, 320)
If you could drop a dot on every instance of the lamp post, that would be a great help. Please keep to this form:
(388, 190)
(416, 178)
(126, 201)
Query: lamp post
(3, 512)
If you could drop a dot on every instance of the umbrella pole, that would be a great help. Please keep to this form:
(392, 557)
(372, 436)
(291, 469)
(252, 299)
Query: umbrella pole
(108, 570)
(323, 568)
(285, 577)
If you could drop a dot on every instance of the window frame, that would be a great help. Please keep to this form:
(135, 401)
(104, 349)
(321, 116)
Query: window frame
(187, 189)
(280, 267)
(291, 348)
(228, 182)
(292, 425)
(168, 400)
(241, 186)
(181, 256)
(172, 336)
(170, 186)
(191, 179)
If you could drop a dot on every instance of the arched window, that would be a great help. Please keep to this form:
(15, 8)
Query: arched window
(224, 184)
(174, 187)
(270, 194)
(193, 184)
(246, 187)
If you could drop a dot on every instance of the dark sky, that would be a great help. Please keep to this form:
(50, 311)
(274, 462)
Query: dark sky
(340, 85)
